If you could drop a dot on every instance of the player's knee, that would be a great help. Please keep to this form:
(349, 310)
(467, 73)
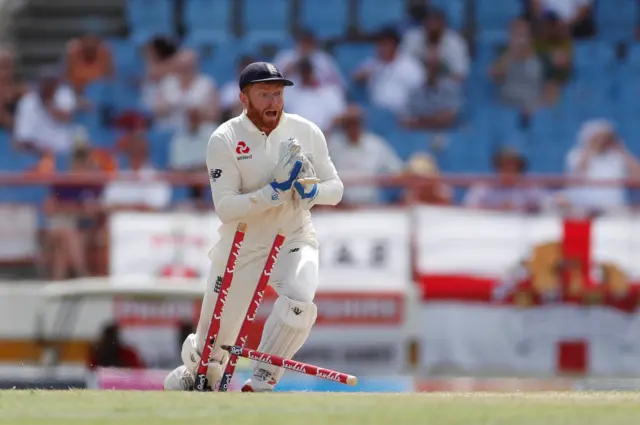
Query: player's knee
(295, 314)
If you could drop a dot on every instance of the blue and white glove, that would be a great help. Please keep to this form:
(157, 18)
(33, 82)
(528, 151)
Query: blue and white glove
(290, 164)
(305, 194)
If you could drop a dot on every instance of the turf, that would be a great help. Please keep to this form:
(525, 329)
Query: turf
(160, 408)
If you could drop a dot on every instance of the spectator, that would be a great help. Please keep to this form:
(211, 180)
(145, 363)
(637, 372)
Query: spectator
(437, 103)
(110, 351)
(600, 155)
(519, 71)
(44, 115)
(391, 76)
(307, 47)
(186, 89)
(11, 90)
(436, 36)
(188, 148)
(576, 14)
(416, 13)
(160, 55)
(511, 192)
(432, 191)
(553, 44)
(229, 93)
(316, 102)
(358, 153)
(137, 187)
(88, 59)
(72, 210)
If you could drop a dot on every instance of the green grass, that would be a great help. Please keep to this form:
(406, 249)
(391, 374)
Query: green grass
(164, 408)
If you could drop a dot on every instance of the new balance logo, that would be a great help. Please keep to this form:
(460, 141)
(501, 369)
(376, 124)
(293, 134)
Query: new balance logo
(294, 250)
(215, 174)
(296, 311)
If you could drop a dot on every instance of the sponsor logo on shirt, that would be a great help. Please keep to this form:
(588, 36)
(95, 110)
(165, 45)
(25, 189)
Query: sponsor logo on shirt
(243, 151)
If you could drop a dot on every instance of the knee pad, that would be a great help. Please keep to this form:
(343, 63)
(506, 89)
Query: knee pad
(191, 359)
(286, 330)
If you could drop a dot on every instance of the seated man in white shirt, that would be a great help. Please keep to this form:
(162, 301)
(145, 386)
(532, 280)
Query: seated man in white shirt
(319, 103)
(358, 153)
(138, 188)
(437, 104)
(600, 156)
(327, 71)
(391, 76)
(44, 115)
(185, 89)
(436, 37)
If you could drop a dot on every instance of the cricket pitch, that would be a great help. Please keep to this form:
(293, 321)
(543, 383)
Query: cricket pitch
(169, 408)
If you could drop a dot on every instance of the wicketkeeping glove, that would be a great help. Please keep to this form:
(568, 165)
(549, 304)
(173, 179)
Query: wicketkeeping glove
(284, 174)
(305, 194)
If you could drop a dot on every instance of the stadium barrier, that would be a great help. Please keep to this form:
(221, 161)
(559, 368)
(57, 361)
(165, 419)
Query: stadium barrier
(409, 289)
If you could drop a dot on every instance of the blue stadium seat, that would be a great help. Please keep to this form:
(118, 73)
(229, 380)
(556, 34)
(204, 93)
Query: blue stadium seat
(496, 14)
(593, 58)
(454, 9)
(274, 19)
(466, 151)
(326, 18)
(149, 17)
(217, 59)
(159, 142)
(372, 17)
(265, 46)
(616, 20)
(633, 56)
(127, 58)
(408, 142)
(350, 55)
(380, 121)
(210, 18)
(593, 97)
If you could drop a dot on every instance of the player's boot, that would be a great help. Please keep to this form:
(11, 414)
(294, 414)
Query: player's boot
(179, 379)
(261, 381)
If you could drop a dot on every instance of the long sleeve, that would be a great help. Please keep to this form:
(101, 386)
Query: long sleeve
(225, 181)
(330, 188)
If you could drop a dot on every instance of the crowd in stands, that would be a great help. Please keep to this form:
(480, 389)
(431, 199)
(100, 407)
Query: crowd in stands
(443, 90)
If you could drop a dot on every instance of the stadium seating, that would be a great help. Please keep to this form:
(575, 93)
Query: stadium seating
(149, 17)
(328, 18)
(272, 21)
(209, 19)
(616, 20)
(371, 17)
(606, 81)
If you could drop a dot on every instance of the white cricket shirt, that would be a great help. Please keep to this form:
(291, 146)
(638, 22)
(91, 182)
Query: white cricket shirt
(241, 158)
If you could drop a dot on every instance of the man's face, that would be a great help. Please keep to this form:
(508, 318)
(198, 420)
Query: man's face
(48, 88)
(353, 128)
(89, 46)
(434, 26)
(306, 46)
(509, 169)
(386, 49)
(264, 103)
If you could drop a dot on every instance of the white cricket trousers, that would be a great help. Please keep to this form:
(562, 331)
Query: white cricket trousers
(295, 275)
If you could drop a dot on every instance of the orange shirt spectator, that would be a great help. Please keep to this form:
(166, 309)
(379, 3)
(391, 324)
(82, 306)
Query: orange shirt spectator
(88, 60)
